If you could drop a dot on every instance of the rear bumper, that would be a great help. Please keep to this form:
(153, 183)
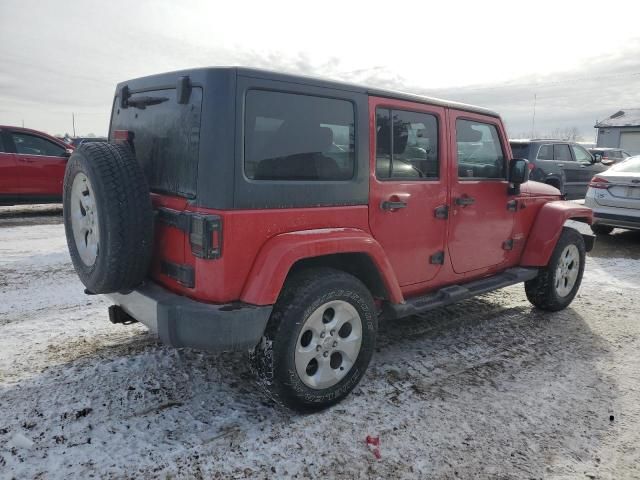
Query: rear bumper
(182, 322)
(617, 220)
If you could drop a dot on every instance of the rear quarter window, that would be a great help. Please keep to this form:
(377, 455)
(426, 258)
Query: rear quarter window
(298, 137)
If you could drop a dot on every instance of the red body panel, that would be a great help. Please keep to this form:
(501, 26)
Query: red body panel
(547, 229)
(244, 234)
(279, 254)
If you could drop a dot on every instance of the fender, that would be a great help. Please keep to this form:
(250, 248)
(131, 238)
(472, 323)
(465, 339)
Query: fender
(547, 229)
(279, 253)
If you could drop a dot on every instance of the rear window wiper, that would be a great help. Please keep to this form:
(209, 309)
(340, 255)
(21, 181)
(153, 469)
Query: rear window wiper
(143, 102)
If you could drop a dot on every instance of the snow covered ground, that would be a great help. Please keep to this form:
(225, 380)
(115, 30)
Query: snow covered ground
(488, 388)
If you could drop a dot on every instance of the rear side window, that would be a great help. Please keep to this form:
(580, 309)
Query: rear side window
(479, 151)
(545, 152)
(406, 145)
(562, 153)
(27, 144)
(298, 137)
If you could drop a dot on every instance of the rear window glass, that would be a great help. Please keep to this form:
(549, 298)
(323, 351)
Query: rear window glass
(166, 138)
(298, 137)
(520, 150)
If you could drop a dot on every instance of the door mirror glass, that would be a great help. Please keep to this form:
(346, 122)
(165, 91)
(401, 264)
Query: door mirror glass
(518, 171)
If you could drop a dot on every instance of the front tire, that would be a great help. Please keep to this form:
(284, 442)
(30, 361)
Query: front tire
(557, 284)
(319, 340)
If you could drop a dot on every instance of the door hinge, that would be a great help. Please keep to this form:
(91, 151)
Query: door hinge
(507, 244)
(437, 258)
(442, 212)
(512, 205)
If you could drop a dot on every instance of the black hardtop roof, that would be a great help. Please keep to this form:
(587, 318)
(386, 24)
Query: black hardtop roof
(199, 76)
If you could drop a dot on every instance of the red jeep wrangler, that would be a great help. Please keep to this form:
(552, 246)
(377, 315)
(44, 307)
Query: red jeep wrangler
(242, 209)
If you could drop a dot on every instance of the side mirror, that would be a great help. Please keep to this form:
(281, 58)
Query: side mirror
(67, 153)
(597, 158)
(518, 174)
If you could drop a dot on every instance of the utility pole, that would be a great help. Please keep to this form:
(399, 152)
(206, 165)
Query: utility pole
(73, 121)
(533, 120)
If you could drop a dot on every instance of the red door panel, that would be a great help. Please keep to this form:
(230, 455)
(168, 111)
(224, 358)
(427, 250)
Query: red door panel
(407, 188)
(9, 180)
(41, 175)
(480, 222)
(41, 162)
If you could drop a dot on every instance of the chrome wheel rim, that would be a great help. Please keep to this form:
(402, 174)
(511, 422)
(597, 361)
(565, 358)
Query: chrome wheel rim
(84, 219)
(567, 270)
(328, 344)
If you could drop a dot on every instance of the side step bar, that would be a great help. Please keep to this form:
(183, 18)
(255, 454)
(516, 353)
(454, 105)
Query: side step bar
(455, 293)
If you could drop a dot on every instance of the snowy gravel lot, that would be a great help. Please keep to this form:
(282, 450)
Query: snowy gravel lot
(488, 388)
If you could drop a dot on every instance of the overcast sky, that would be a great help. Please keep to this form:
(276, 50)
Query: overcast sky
(581, 59)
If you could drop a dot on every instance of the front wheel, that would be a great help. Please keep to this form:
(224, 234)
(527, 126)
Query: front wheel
(319, 340)
(557, 284)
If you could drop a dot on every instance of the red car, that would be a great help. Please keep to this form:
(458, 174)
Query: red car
(32, 166)
(238, 209)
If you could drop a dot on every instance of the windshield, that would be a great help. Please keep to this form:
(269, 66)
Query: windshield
(631, 165)
(520, 150)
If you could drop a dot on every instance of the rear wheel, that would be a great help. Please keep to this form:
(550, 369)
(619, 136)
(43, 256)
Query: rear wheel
(599, 229)
(557, 284)
(319, 340)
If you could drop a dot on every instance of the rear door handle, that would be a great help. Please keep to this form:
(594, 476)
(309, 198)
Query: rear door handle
(388, 205)
(464, 201)
(561, 164)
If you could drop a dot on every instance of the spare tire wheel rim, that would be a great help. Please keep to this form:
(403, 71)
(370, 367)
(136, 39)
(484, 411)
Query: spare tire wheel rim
(84, 219)
(328, 344)
(567, 270)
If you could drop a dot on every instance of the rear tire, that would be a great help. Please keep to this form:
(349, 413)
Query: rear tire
(557, 284)
(108, 217)
(599, 229)
(319, 340)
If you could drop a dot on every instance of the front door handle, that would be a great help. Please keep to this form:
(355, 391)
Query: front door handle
(389, 205)
(464, 201)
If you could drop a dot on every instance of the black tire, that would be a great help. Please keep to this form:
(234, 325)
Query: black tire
(273, 358)
(541, 291)
(600, 229)
(124, 217)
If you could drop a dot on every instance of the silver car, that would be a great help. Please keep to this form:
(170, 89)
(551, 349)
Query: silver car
(614, 196)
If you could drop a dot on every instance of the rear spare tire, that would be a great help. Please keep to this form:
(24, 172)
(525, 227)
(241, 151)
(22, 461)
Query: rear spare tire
(108, 218)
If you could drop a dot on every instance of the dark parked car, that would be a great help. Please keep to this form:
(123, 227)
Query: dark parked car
(609, 156)
(565, 165)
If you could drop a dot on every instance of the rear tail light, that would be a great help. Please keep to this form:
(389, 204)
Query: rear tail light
(599, 182)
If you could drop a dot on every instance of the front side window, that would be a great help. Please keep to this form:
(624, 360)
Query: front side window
(561, 153)
(298, 137)
(406, 145)
(27, 144)
(479, 151)
(581, 154)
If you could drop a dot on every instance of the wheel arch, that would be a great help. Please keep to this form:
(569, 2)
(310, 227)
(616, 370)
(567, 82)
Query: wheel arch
(350, 250)
(547, 229)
